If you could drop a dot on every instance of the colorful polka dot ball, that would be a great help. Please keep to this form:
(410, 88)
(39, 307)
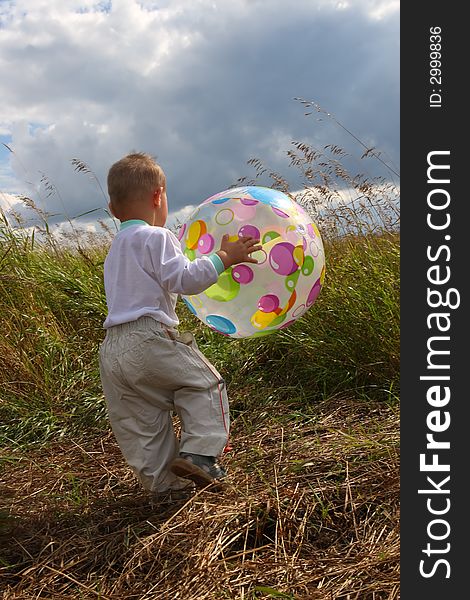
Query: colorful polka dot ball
(251, 300)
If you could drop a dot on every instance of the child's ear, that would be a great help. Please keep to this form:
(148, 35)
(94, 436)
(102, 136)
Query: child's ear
(111, 209)
(157, 197)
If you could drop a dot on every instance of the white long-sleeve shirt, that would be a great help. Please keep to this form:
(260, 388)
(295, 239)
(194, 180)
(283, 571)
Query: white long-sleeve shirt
(145, 270)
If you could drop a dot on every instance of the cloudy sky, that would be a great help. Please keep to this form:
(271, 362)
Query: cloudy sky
(203, 85)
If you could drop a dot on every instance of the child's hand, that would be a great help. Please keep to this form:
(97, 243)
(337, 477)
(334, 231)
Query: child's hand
(239, 251)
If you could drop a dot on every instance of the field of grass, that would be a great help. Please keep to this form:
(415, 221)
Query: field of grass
(312, 506)
(311, 510)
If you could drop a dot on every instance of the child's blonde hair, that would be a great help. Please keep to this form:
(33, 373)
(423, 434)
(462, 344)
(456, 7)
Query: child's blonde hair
(133, 178)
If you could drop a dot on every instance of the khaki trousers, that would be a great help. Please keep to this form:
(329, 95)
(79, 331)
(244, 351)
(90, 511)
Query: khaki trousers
(148, 371)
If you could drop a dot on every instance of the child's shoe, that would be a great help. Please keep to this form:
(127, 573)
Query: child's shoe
(202, 470)
(172, 496)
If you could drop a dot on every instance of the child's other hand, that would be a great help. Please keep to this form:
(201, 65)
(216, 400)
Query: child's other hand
(238, 251)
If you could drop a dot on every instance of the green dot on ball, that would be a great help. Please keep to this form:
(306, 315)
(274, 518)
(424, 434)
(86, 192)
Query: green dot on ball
(191, 254)
(268, 236)
(308, 266)
(225, 289)
(264, 332)
(291, 281)
(278, 320)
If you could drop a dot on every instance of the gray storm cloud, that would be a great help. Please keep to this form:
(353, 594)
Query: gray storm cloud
(204, 86)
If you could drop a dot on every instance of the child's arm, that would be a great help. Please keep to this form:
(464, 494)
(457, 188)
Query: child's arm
(177, 274)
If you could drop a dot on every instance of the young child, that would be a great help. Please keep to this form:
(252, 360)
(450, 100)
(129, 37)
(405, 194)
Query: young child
(148, 369)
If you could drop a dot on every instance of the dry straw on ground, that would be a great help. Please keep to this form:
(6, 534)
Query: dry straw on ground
(311, 512)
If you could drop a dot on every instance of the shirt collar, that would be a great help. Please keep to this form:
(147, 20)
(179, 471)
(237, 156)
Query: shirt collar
(130, 222)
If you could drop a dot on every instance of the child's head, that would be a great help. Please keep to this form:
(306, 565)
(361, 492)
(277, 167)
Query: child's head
(136, 187)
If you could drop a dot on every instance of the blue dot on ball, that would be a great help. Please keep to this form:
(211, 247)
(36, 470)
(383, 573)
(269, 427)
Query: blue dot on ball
(222, 324)
(190, 306)
(274, 198)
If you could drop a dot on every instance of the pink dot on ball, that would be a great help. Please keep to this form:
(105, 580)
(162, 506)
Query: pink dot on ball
(281, 258)
(314, 249)
(313, 295)
(280, 213)
(268, 303)
(181, 231)
(244, 213)
(242, 274)
(310, 230)
(248, 201)
(299, 311)
(206, 243)
(249, 230)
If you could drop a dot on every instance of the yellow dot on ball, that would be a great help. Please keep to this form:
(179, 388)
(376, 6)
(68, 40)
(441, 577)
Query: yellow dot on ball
(195, 231)
(298, 255)
(315, 229)
(260, 319)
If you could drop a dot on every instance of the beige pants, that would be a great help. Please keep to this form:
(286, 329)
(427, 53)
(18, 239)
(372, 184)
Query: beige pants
(148, 371)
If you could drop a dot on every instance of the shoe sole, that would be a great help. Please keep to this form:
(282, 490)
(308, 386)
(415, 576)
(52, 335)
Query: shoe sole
(187, 470)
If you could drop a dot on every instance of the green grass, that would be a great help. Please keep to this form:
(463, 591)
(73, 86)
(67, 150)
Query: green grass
(54, 306)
